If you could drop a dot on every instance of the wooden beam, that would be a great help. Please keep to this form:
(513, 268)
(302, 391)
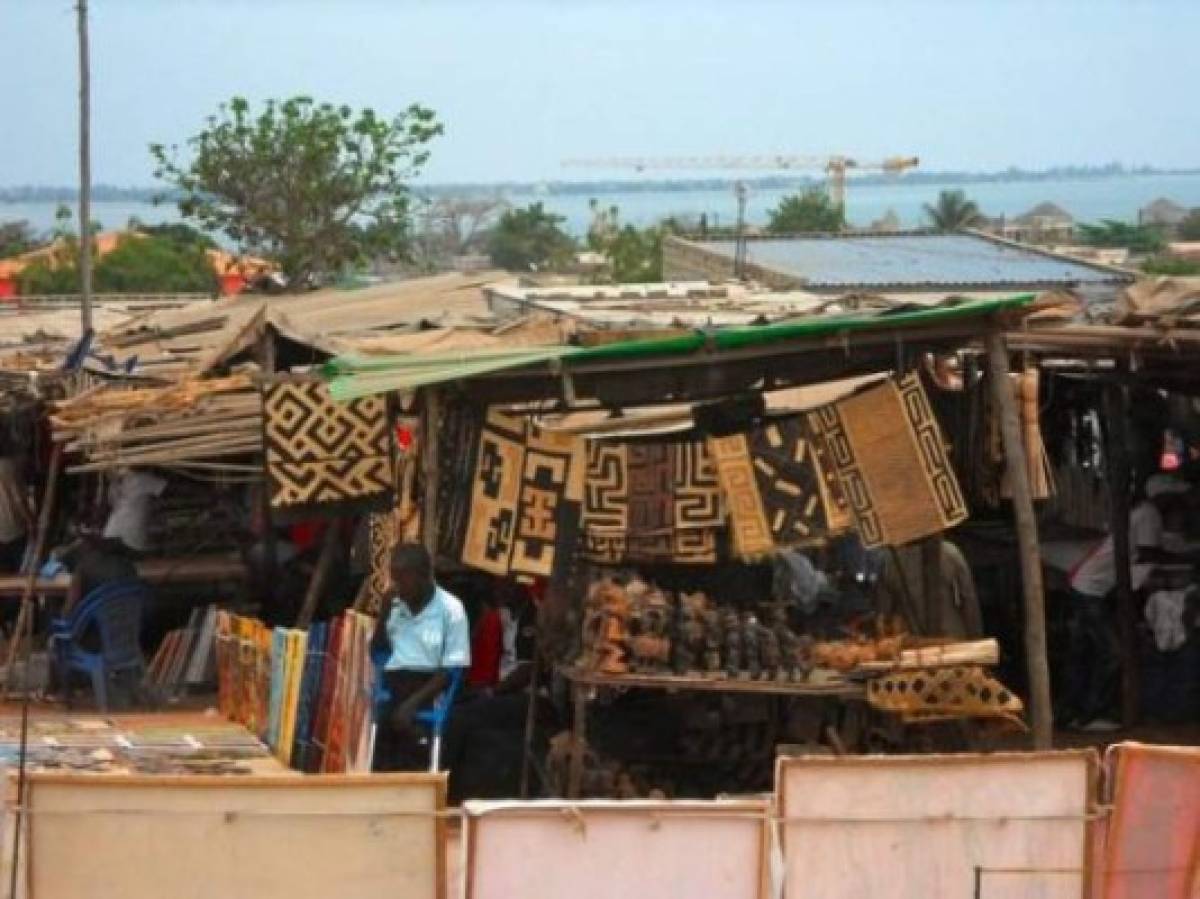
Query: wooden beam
(1116, 417)
(430, 426)
(1041, 712)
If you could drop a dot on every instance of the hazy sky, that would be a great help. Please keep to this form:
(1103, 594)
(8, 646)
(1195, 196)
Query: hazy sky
(522, 84)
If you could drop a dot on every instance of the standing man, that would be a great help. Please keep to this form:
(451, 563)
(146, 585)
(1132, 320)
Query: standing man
(130, 496)
(901, 591)
(1094, 655)
(424, 633)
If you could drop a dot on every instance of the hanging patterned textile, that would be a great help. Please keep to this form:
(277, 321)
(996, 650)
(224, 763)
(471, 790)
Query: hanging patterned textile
(891, 459)
(777, 491)
(386, 530)
(525, 495)
(651, 502)
(324, 458)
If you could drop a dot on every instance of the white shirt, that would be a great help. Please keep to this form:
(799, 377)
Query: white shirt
(130, 496)
(1097, 574)
(435, 638)
(12, 519)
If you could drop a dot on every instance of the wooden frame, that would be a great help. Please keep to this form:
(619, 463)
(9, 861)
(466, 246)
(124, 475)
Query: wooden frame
(1120, 803)
(983, 761)
(349, 793)
(656, 813)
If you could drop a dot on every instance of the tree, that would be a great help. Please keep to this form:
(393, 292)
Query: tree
(530, 239)
(16, 237)
(1189, 228)
(806, 212)
(453, 226)
(1112, 233)
(313, 186)
(953, 212)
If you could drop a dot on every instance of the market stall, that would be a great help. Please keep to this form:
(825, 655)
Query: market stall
(512, 484)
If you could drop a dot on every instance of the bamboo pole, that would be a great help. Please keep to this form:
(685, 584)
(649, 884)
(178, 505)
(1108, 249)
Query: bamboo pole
(1041, 711)
(25, 615)
(1116, 415)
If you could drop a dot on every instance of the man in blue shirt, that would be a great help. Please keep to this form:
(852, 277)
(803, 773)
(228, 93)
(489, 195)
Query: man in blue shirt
(424, 633)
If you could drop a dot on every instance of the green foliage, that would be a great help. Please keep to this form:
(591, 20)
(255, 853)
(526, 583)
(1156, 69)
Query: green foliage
(953, 212)
(1189, 228)
(314, 186)
(156, 264)
(44, 276)
(1171, 265)
(1111, 233)
(530, 239)
(635, 255)
(16, 238)
(178, 233)
(806, 212)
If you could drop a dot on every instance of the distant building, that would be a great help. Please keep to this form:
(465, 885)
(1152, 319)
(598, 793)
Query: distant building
(912, 262)
(1046, 223)
(1102, 255)
(1184, 249)
(1163, 213)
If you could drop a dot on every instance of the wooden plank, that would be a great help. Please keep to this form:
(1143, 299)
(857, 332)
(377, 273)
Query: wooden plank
(836, 686)
(596, 850)
(263, 836)
(912, 827)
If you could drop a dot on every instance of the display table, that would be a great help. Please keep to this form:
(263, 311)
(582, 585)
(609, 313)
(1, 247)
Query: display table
(192, 569)
(826, 685)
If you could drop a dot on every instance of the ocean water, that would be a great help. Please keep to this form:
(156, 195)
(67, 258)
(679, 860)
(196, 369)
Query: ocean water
(1087, 200)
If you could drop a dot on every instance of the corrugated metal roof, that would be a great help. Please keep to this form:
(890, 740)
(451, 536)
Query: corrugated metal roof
(914, 260)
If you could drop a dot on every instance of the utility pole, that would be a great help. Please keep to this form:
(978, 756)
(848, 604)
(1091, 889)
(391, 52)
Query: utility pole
(739, 243)
(85, 172)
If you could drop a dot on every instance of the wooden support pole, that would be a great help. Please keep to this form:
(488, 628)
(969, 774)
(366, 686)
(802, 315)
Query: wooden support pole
(1041, 712)
(316, 583)
(1116, 416)
(270, 555)
(430, 426)
(531, 716)
(24, 625)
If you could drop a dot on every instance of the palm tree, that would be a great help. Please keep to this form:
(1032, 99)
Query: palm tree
(953, 212)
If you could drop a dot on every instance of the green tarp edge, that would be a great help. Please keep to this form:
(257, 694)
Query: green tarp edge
(356, 376)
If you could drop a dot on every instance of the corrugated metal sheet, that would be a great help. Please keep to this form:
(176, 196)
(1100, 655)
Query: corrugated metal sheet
(914, 260)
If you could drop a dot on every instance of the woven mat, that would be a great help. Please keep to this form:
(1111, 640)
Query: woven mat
(525, 497)
(891, 459)
(322, 457)
(651, 502)
(777, 492)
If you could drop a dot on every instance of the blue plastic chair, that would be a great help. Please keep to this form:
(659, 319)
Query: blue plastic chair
(115, 610)
(434, 718)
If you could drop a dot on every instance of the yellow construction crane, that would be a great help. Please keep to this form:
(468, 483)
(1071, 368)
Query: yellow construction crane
(835, 167)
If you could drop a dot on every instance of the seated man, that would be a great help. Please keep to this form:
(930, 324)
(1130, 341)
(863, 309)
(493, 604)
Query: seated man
(424, 633)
